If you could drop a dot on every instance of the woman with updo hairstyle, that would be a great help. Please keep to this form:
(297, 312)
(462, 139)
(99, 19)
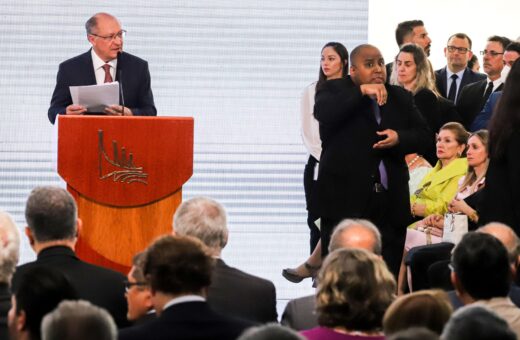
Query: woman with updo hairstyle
(355, 288)
(436, 190)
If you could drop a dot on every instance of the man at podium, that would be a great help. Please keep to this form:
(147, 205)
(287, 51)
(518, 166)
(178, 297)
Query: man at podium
(104, 63)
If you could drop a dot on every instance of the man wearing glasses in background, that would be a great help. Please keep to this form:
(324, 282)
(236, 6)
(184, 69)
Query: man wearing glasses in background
(451, 79)
(105, 62)
(473, 97)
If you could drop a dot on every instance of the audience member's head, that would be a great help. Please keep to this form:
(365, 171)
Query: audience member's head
(9, 248)
(39, 291)
(481, 268)
(338, 65)
(78, 320)
(414, 333)
(493, 62)
(367, 65)
(51, 215)
(476, 323)
(509, 239)
(205, 219)
(270, 331)
(177, 266)
(356, 233)
(474, 64)
(512, 52)
(412, 69)
(413, 31)
(426, 308)
(138, 294)
(454, 139)
(458, 52)
(354, 290)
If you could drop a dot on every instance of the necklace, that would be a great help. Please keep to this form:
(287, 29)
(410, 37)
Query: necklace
(416, 158)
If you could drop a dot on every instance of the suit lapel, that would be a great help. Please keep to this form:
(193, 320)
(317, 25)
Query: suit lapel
(91, 75)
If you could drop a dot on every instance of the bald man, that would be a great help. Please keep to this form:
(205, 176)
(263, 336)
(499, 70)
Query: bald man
(350, 233)
(367, 128)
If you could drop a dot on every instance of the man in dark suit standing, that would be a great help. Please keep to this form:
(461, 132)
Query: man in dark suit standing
(473, 96)
(104, 63)
(367, 128)
(179, 269)
(53, 228)
(232, 291)
(451, 79)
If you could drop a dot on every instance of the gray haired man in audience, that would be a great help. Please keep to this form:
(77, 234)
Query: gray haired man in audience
(9, 255)
(53, 229)
(78, 320)
(299, 314)
(232, 291)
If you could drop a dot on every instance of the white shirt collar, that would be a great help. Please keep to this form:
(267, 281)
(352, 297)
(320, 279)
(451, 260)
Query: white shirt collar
(459, 74)
(182, 299)
(496, 83)
(98, 62)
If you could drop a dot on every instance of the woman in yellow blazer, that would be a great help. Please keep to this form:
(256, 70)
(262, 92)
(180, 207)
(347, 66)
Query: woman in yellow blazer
(438, 187)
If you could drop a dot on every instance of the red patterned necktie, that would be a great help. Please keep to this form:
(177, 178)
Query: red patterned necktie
(108, 76)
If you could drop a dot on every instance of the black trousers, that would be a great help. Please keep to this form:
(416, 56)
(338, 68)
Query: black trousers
(377, 211)
(309, 185)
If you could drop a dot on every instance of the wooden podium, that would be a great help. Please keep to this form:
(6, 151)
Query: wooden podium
(126, 174)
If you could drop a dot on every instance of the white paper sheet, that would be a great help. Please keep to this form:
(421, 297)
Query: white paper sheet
(95, 97)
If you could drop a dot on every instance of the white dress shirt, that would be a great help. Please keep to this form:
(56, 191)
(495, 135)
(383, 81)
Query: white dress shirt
(100, 71)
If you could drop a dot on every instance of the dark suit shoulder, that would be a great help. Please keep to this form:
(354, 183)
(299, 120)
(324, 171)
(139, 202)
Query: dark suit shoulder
(474, 76)
(223, 268)
(82, 58)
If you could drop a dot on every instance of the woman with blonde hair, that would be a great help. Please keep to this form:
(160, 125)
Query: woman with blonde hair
(355, 288)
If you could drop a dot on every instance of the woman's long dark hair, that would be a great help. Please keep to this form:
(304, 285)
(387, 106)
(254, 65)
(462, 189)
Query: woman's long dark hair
(343, 56)
(506, 116)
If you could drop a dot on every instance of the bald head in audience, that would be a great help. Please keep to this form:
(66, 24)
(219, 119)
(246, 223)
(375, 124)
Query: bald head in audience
(509, 239)
(356, 233)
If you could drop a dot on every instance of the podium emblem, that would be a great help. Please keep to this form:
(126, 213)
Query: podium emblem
(120, 167)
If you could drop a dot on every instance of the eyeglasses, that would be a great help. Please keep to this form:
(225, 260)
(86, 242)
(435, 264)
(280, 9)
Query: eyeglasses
(458, 49)
(450, 265)
(490, 53)
(121, 34)
(129, 284)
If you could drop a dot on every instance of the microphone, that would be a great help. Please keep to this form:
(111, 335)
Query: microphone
(120, 79)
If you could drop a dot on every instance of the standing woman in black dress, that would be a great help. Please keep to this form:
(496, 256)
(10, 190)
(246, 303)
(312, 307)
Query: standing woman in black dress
(501, 201)
(334, 58)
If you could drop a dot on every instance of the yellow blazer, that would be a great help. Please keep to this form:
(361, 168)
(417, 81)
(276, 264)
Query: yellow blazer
(439, 186)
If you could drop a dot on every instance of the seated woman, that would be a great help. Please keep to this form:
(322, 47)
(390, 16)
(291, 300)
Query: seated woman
(427, 308)
(438, 187)
(466, 200)
(355, 288)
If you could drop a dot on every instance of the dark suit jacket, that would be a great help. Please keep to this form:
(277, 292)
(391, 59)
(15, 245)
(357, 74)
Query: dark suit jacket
(468, 77)
(501, 202)
(100, 286)
(482, 119)
(300, 313)
(132, 73)
(436, 111)
(186, 321)
(349, 163)
(238, 294)
(471, 101)
(5, 305)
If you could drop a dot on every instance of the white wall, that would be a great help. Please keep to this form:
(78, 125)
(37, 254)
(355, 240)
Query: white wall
(479, 19)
